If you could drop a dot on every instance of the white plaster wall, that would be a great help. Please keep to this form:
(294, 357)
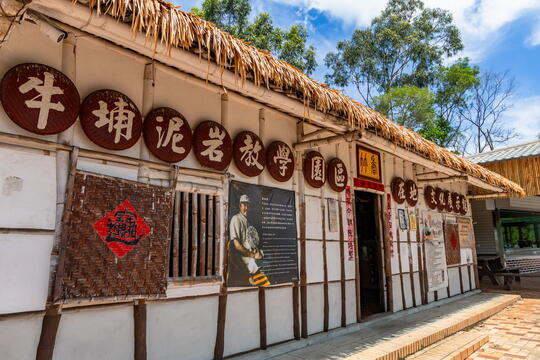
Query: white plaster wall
(115, 170)
(465, 276)
(396, 288)
(19, 338)
(333, 260)
(279, 314)
(417, 288)
(24, 271)
(313, 218)
(314, 261)
(350, 265)
(242, 323)
(315, 308)
(407, 290)
(350, 301)
(27, 189)
(334, 301)
(95, 334)
(182, 329)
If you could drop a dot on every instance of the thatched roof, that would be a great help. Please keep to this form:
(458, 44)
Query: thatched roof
(163, 22)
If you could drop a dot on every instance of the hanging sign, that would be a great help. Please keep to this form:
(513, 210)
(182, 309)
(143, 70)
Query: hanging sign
(433, 236)
(280, 161)
(336, 174)
(368, 163)
(449, 206)
(314, 169)
(212, 145)
(39, 99)
(411, 192)
(398, 190)
(350, 222)
(430, 197)
(451, 241)
(456, 202)
(111, 120)
(464, 205)
(167, 134)
(248, 153)
(389, 223)
(366, 184)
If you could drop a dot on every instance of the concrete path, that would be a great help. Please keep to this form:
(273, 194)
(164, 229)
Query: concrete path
(396, 338)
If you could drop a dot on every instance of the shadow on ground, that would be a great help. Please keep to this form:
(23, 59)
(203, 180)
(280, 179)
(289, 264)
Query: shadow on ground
(528, 288)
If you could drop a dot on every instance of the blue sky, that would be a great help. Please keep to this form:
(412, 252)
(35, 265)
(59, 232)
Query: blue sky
(498, 34)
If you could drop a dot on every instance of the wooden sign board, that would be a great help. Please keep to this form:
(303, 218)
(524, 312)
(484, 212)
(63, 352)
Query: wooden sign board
(368, 163)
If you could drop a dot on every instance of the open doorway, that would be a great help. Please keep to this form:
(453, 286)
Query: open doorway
(369, 254)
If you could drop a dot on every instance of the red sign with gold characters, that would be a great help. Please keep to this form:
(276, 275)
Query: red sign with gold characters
(212, 145)
(39, 99)
(336, 175)
(167, 134)
(122, 229)
(314, 169)
(111, 120)
(411, 192)
(280, 161)
(398, 190)
(249, 153)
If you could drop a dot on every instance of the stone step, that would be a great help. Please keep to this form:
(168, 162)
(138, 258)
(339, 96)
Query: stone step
(456, 347)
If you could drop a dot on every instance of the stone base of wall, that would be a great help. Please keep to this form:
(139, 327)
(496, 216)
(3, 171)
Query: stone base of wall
(527, 264)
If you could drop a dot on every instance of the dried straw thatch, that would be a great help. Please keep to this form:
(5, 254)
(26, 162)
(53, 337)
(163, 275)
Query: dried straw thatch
(165, 23)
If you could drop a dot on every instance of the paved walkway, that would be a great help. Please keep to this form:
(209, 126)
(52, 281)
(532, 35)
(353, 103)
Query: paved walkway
(514, 333)
(395, 338)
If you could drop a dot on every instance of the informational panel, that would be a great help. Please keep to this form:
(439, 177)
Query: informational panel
(262, 236)
(115, 240)
(451, 241)
(435, 251)
(466, 239)
(333, 219)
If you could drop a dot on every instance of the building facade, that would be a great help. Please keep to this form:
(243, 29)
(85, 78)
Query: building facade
(238, 215)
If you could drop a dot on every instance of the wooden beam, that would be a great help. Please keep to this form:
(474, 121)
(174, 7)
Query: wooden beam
(400, 267)
(356, 262)
(296, 314)
(387, 256)
(326, 306)
(49, 329)
(176, 236)
(202, 234)
(350, 136)
(139, 324)
(262, 319)
(194, 232)
(342, 264)
(185, 234)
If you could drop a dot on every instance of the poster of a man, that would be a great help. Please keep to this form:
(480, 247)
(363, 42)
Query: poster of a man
(244, 246)
(262, 244)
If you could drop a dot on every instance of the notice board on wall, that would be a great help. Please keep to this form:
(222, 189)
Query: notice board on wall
(466, 240)
(433, 237)
(115, 241)
(262, 248)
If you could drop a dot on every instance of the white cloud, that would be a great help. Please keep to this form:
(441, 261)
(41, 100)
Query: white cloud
(524, 117)
(534, 37)
(480, 21)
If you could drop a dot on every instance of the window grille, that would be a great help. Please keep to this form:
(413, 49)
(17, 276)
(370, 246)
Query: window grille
(194, 251)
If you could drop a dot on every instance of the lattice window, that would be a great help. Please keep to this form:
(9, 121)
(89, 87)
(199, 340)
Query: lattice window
(194, 251)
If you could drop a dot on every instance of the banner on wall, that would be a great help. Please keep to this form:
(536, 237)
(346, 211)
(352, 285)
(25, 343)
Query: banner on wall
(435, 251)
(350, 223)
(262, 236)
(466, 239)
(451, 241)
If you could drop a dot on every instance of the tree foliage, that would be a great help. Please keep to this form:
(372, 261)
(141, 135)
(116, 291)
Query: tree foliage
(288, 45)
(405, 45)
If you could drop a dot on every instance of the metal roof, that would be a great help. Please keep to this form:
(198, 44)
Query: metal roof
(508, 153)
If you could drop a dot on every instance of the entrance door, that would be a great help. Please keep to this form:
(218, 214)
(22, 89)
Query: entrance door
(369, 254)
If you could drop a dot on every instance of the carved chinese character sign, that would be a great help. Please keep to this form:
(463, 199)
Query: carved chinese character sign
(280, 161)
(398, 190)
(456, 201)
(212, 145)
(314, 169)
(39, 98)
(411, 192)
(449, 206)
(111, 120)
(464, 205)
(441, 199)
(430, 197)
(249, 154)
(336, 175)
(368, 163)
(167, 134)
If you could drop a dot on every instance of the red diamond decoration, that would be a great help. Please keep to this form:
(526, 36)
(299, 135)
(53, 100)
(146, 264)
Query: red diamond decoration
(122, 229)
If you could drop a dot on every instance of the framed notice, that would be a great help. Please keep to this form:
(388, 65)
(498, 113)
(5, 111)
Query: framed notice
(332, 215)
(433, 235)
(451, 240)
(368, 163)
(262, 243)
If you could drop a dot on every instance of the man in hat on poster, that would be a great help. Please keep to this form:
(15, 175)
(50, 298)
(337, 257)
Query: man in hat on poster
(244, 249)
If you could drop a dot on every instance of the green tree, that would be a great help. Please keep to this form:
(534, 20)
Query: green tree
(405, 45)
(288, 45)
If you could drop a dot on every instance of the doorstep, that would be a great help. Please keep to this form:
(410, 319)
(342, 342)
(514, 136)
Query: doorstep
(394, 336)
